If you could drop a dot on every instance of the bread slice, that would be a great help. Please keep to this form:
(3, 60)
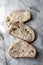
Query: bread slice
(22, 31)
(22, 49)
(18, 15)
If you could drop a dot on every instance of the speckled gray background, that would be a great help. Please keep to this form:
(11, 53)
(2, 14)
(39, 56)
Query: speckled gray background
(36, 8)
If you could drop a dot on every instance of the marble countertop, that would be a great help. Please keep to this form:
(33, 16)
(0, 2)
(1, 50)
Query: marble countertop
(36, 8)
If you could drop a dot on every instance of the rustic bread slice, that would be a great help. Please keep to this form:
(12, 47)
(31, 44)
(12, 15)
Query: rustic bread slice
(18, 15)
(22, 31)
(22, 49)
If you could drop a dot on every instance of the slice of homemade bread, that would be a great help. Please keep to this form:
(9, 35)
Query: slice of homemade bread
(18, 15)
(22, 31)
(22, 49)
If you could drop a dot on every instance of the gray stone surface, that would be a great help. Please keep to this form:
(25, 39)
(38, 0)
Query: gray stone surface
(36, 8)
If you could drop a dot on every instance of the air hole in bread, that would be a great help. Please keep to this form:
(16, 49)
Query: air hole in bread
(32, 51)
(14, 29)
(14, 52)
(18, 24)
(29, 52)
(26, 30)
(8, 19)
(22, 50)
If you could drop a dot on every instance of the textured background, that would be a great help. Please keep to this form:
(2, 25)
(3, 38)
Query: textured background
(36, 8)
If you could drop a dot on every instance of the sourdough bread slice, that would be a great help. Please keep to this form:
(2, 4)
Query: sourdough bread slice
(22, 31)
(18, 15)
(22, 49)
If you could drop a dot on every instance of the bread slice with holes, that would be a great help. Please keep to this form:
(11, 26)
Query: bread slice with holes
(22, 49)
(18, 15)
(22, 31)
